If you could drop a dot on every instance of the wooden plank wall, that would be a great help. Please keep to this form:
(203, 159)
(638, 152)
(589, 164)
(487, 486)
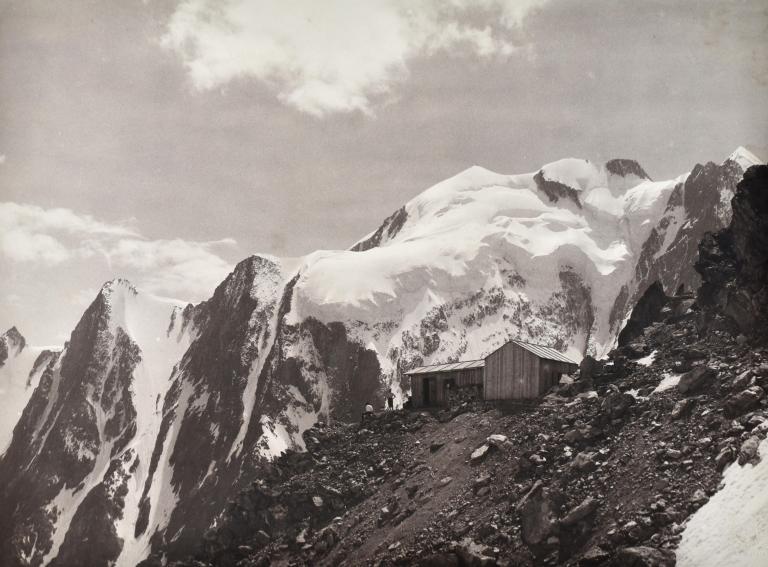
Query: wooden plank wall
(462, 378)
(416, 400)
(550, 372)
(468, 377)
(439, 390)
(511, 373)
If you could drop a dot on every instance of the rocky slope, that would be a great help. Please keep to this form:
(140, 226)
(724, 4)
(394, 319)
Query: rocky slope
(620, 467)
(158, 412)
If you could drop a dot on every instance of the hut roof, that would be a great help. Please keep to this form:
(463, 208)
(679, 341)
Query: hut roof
(542, 351)
(545, 352)
(450, 367)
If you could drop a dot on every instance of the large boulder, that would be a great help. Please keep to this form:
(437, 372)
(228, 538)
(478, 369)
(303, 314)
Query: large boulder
(583, 510)
(582, 432)
(584, 462)
(536, 515)
(743, 401)
(696, 379)
(616, 405)
(479, 454)
(748, 453)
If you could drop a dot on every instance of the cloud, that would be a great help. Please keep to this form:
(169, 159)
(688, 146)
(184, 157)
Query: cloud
(335, 56)
(36, 236)
(29, 233)
(178, 268)
(2, 159)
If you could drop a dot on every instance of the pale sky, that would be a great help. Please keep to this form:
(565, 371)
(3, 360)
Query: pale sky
(164, 141)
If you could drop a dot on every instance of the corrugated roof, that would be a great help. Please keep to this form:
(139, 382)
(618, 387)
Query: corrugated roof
(543, 352)
(450, 367)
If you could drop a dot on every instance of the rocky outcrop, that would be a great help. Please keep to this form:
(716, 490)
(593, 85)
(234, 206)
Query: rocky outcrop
(10, 341)
(388, 229)
(646, 311)
(698, 205)
(625, 167)
(733, 263)
(554, 190)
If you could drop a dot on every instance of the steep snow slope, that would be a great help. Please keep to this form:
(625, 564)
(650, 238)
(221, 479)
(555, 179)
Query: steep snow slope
(21, 366)
(745, 158)
(732, 528)
(481, 257)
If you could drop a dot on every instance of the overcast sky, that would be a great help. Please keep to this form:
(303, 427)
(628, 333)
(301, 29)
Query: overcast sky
(166, 140)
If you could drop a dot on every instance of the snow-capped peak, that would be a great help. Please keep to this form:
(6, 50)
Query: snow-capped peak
(745, 158)
(14, 341)
(140, 314)
(21, 366)
(118, 285)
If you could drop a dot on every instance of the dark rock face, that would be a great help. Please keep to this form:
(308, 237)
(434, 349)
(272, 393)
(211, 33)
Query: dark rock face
(247, 345)
(733, 263)
(645, 312)
(204, 406)
(353, 371)
(624, 167)
(43, 360)
(77, 415)
(388, 229)
(554, 190)
(695, 207)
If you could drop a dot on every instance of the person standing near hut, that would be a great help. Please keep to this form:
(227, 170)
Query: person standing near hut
(367, 412)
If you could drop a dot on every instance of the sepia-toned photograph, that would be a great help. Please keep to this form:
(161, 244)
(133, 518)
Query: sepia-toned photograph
(378, 283)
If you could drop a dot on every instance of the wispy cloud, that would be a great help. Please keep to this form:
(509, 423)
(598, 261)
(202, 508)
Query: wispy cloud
(335, 56)
(29, 233)
(36, 236)
(174, 267)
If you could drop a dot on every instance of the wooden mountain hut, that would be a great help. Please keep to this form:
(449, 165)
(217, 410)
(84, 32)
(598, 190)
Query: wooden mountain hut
(516, 370)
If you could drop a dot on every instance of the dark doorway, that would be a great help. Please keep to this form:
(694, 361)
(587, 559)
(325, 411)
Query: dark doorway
(425, 392)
